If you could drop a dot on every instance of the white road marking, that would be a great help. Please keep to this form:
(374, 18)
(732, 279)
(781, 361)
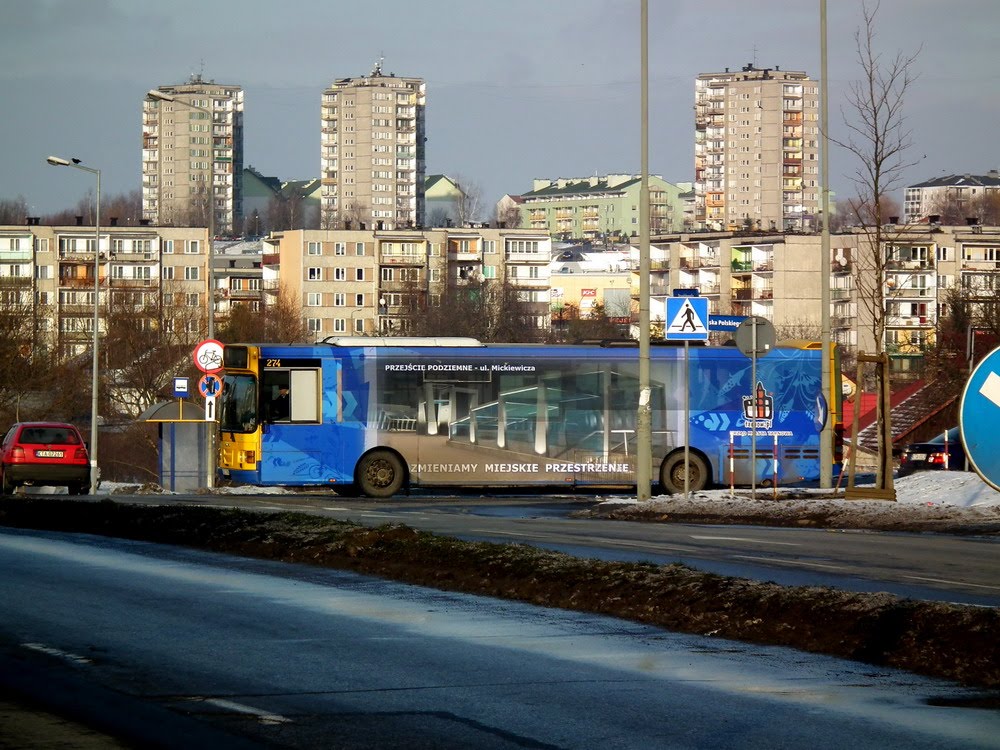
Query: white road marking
(744, 539)
(954, 583)
(58, 653)
(264, 717)
(791, 563)
(651, 548)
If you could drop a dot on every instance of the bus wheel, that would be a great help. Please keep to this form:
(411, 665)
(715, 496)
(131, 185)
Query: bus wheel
(380, 474)
(672, 473)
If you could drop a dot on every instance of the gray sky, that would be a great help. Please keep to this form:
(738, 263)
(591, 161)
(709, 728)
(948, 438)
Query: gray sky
(515, 90)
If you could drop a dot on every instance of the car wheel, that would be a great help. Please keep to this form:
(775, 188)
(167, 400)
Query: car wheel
(78, 489)
(380, 474)
(672, 473)
(5, 484)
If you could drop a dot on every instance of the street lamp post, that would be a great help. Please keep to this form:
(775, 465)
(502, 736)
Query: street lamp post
(75, 163)
(165, 97)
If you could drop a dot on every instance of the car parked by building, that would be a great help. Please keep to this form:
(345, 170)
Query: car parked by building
(44, 454)
(945, 451)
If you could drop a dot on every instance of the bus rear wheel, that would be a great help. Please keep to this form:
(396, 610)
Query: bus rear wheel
(380, 474)
(672, 473)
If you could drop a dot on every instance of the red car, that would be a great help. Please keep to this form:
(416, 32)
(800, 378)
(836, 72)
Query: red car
(44, 453)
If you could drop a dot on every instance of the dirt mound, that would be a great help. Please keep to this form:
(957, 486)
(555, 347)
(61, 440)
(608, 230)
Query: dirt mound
(941, 640)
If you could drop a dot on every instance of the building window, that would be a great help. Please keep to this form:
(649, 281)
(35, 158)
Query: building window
(192, 247)
(192, 273)
(340, 274)
(168, 247)
(339, 325)
(359, 299)
(359, 274)
(339, 299)
(314, 299)
(359, 248)
(340, 248)
(387, 274)
(315, 248)
(315, 325)
(314, 273)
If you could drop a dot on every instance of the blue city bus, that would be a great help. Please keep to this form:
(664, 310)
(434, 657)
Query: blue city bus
(380, 415)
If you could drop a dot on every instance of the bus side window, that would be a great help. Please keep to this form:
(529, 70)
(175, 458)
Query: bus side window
(275, 396)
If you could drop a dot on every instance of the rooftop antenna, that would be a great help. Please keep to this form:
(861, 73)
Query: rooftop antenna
(377, 71)
(197, 77)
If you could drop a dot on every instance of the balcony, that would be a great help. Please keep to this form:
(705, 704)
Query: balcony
(908, 265)
(907, 292)
(80, 282)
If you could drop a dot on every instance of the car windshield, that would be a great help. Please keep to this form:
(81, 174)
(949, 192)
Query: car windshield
(49, 436)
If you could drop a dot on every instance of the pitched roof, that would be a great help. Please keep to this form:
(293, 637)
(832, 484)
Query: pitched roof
(583, 187)
(962, 180)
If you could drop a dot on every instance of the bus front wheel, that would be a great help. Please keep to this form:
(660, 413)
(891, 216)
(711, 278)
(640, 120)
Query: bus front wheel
(672, 473)
(380, 474)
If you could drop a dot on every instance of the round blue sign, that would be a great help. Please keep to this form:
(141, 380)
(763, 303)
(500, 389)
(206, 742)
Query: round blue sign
(978, 417)
(819, 419)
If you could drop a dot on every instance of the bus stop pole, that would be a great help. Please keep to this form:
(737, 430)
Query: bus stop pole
(643, 429)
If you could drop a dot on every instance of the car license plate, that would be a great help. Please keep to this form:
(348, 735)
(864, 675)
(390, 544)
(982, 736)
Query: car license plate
(49, 454)
(918, 456)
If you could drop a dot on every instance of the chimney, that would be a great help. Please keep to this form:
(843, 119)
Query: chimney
(32, 221)
(893, 219)
(145, 222)
(79, 221)
(114, 221)
(934, 218)
(971, 221)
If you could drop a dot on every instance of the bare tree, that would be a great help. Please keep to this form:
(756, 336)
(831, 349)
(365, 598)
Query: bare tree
(16, 344)
(596, 324)
(13, 211)
(278, 321)
(470, 200)
(955, 211)
(486, 309)
(878, 139)
(146, 342)
(508, 215)
(124, 208)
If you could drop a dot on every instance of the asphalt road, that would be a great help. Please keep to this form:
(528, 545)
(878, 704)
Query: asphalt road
(922, 566)
(181, 648)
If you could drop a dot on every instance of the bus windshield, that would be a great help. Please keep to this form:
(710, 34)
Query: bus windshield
(238, 406)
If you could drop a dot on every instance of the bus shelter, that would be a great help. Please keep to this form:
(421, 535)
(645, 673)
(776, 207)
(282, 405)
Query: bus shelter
(183, 437)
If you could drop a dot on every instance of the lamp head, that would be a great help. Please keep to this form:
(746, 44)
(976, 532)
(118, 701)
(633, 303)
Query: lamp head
(55, 161)
(160, 96)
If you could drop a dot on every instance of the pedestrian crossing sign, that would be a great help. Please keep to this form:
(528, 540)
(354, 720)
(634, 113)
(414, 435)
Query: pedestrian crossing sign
(687, 319)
